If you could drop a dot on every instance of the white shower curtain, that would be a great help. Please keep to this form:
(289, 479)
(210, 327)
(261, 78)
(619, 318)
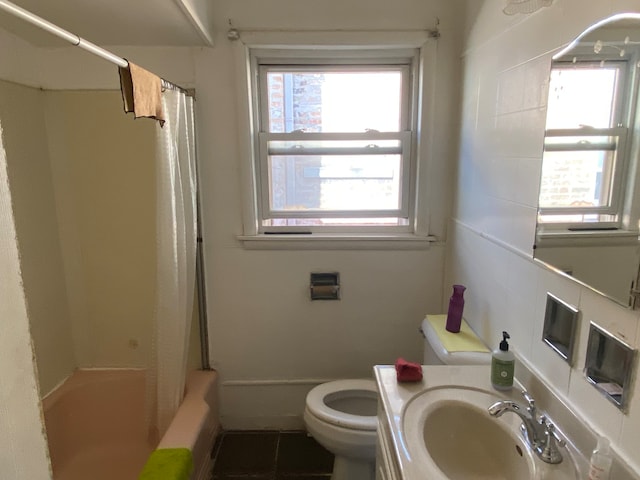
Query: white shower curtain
(176, 259)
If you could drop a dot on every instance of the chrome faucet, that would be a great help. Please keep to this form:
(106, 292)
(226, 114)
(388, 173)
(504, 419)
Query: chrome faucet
(538, 431)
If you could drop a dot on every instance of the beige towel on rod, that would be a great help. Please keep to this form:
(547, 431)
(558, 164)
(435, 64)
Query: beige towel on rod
(141, 92)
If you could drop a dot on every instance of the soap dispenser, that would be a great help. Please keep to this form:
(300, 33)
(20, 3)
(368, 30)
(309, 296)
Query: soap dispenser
(502, 365)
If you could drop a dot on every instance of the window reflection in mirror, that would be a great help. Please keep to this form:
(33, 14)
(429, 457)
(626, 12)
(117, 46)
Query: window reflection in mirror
(588, 212)
(581, 133)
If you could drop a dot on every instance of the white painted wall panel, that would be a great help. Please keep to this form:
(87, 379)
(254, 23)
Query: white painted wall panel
(23, 450)
(263, 326)
(36, 221)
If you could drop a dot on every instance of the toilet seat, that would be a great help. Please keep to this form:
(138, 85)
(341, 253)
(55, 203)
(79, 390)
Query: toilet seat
(343, 389)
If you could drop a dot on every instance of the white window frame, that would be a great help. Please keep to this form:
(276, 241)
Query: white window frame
(263, 61)
(622, 116)
(422, 48)
(265, 213)
(616, 185)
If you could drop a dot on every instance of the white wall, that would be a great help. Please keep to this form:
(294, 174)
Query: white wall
(23, 449)
(36, 220)
(506, 62)
(103, 164)
(19, 60)
(268, 340)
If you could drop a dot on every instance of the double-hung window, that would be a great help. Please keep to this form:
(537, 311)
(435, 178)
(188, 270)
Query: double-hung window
(585, 148)
(333, 140)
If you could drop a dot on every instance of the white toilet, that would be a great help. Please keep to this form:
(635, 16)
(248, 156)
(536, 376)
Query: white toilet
(341, 415)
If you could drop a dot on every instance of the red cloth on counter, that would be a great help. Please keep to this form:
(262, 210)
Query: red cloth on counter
(408, 371)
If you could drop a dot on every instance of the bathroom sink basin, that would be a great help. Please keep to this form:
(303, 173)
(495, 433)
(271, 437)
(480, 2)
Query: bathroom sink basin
(465, 442)
(450, 434)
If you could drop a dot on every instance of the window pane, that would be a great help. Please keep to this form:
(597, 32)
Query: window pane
(576, 179)
(582, 96)
(316, 100)
(334, 182)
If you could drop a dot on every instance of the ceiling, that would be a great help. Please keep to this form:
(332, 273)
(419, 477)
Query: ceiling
(116, 22)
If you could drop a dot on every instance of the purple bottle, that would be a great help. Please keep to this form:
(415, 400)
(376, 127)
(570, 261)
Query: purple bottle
(456, 305)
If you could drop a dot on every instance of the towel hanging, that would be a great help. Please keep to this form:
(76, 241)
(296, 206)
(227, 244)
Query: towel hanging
(141, 92)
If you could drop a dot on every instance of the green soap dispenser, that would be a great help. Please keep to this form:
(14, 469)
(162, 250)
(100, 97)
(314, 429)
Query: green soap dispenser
(502, 365)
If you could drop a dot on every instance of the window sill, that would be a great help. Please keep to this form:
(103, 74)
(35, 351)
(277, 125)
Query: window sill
(337, 242)
(561, 238)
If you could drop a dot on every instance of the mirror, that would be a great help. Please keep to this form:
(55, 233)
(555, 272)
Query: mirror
(589, 203)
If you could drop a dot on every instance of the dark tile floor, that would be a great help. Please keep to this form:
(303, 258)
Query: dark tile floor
(270, 455)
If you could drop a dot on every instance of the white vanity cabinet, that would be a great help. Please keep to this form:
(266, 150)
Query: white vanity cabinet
(386, 464)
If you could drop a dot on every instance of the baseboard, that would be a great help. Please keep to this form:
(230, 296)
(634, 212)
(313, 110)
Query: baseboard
(286, 422)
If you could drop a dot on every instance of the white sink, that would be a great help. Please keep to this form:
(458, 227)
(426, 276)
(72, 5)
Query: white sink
(449, 433)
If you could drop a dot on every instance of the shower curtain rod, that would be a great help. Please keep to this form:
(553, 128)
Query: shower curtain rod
(72, 38)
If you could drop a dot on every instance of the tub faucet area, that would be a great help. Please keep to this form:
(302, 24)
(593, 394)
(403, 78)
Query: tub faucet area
(538, 431)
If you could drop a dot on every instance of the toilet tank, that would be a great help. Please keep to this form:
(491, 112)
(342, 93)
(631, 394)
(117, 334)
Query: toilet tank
(436, 353)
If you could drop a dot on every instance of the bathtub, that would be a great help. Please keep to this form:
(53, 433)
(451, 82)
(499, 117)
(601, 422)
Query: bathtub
(96, 429)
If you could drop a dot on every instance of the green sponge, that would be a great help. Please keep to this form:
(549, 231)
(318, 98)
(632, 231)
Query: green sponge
(168, 464)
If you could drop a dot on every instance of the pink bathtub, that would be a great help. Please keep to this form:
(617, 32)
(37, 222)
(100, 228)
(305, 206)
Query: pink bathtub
(96, 425)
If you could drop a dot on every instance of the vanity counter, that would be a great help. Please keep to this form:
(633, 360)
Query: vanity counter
(398, 458)
(394, 460)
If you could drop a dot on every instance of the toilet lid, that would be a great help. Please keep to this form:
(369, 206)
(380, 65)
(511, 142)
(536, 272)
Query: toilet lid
(321, 397)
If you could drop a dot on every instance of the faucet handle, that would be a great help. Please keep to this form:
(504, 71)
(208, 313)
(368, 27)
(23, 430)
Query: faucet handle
(548, 450)
(550, 428)
(531, 402)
